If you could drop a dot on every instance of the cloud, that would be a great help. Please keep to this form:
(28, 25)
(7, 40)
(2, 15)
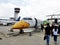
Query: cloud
(19, 2)
(3, 1)
(6, 10)
(32, 8)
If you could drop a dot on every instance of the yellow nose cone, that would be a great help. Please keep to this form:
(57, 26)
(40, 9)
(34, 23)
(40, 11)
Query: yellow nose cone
(21, 25)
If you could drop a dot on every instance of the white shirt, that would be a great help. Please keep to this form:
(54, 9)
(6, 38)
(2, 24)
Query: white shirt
(55, 32)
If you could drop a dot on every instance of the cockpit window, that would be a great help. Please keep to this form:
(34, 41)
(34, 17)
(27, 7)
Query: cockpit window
(27, 18)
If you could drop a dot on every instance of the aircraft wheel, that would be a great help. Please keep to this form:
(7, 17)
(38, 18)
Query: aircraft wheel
(21, 31)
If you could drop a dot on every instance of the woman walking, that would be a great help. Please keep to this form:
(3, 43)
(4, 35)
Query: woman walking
(55, 33)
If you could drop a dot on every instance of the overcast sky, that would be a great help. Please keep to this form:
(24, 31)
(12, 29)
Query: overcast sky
(29, 8)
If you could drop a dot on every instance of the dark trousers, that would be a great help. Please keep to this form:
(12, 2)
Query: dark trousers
(47, 39)
(55, 38)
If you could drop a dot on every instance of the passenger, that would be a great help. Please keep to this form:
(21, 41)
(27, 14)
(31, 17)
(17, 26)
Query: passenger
(47, 33)
(59, 29)
(42, 27)
(52, 29)
(55, 33)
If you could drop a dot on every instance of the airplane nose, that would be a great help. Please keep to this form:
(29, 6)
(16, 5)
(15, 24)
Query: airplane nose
(21, 25)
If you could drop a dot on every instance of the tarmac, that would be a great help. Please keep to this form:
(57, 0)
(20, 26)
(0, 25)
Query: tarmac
(23, 39)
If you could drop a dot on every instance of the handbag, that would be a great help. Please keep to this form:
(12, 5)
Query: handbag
(45, 37)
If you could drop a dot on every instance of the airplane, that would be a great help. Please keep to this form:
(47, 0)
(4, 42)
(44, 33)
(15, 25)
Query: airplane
(15, 18)
(27, 22)
(6, 22)
(53, 18)
(34, 22)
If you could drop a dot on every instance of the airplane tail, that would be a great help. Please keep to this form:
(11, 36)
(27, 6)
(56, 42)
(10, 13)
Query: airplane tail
(18, 19)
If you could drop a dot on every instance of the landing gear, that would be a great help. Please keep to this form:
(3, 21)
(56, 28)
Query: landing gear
(21, 31)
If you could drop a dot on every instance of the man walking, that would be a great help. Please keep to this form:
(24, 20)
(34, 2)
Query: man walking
(47, 33)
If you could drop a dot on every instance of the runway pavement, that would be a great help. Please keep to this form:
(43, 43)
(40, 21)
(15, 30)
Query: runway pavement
(23, 39)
